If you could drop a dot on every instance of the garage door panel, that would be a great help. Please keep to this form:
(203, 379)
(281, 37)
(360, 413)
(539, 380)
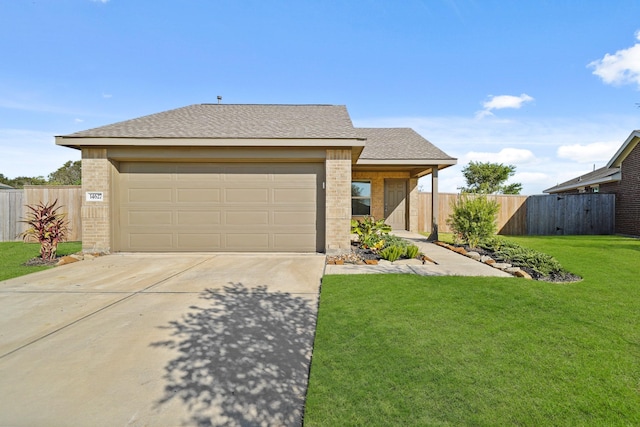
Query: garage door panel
(198, 242)
(294, 195)
(200, 218)
(245, 218)
(247, 241)
(220, 207)
(246, 195)
(149, 218)
(150, 241)
(198, 195)
(149, 195)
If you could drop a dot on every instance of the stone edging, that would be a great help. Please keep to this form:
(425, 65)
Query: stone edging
(80, 256)
(503, 266)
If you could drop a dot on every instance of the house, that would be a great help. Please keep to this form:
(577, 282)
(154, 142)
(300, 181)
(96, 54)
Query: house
(222, 177)
(621, 176)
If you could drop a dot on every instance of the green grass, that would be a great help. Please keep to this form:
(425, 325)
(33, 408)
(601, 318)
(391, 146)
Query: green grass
(450, 351)
(14, 254)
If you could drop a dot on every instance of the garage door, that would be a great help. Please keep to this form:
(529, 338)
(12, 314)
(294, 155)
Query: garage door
(220, 207)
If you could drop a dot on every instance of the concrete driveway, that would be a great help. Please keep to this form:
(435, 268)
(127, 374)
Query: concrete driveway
(159, 340)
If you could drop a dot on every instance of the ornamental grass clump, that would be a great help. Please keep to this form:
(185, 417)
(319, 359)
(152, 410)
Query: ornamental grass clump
(47, 226)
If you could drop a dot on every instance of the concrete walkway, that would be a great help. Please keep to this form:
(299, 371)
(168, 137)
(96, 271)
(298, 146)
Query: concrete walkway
(159, 340)
(448, 263)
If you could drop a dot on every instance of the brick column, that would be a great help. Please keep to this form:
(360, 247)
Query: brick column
(338, 201)
(96, 215)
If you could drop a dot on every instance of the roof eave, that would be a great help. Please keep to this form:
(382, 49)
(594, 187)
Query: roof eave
(604, 180)
(441, 163)
(78, 142)
(626, 148)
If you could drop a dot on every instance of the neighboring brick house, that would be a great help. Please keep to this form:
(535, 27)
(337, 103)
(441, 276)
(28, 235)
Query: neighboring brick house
(223, 177)
(621, 176)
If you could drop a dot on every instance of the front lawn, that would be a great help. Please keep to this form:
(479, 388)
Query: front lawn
(13, 255)
(410, 350)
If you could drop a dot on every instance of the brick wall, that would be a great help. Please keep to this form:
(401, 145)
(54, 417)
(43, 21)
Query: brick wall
(338, 201)
(628, 195)
(96, 216)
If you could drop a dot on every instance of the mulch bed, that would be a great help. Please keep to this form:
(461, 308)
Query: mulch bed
(39, 262)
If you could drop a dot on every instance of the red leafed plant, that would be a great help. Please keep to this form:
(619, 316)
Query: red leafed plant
(47, 226)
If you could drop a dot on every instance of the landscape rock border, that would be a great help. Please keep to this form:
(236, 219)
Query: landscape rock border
(506, 267)
(485, 259)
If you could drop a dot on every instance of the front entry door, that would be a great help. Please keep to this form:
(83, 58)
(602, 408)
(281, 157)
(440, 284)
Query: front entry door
(395, 204)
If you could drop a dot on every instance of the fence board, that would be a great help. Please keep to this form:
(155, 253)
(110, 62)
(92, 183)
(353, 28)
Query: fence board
(567, 214)
(11, 206)
(512, 216)
(68, 196)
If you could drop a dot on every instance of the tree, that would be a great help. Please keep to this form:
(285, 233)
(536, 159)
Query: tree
(21, 181)
(69, 174)
(489, 178)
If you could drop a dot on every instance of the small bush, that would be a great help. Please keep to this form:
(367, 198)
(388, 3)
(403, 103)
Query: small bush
(473, 218)
(538, 262)
(392, 253)
(371, 233)
(47, 226)
(412, 251)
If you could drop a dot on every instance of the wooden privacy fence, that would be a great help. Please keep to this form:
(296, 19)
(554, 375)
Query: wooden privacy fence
(571, 214)
(512, 216)
(535, 215)
(11, 212)
(13, 208)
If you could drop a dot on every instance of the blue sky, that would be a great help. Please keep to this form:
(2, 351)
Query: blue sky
(548, 86)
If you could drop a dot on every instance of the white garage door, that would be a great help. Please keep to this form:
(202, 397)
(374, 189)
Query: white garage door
(248, 207)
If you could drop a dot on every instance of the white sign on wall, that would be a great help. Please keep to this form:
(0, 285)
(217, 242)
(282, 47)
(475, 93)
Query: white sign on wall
(95, 196)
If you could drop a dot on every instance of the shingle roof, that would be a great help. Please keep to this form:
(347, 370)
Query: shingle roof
(398, 144)
(598, 176)
(235, 121)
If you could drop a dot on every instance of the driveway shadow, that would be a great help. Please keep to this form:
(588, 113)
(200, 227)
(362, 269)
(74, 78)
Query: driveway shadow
(243, 358)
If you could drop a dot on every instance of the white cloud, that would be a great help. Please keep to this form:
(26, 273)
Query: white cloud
(503, 101)
(100, 1)
(78, 120)
(506, 156)
(586, 153)
(622, 67)
(529, 144)
(107, 95)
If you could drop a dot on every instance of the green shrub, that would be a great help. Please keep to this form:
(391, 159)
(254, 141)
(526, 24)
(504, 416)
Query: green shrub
(371, 233)
(392, 253)
(412, 251)
(520, 256)
(473, 218)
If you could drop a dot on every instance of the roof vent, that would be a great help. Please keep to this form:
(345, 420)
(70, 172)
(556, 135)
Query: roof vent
(219, 99)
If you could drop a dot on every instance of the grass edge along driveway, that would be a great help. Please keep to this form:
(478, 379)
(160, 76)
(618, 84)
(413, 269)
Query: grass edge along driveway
(411, 350)
(14, 254)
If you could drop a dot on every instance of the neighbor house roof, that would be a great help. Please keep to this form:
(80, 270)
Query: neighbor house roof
(627, 147)
(609, 173)
(231, 121)
(399, 144)
(597, 177)
(5, 187)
